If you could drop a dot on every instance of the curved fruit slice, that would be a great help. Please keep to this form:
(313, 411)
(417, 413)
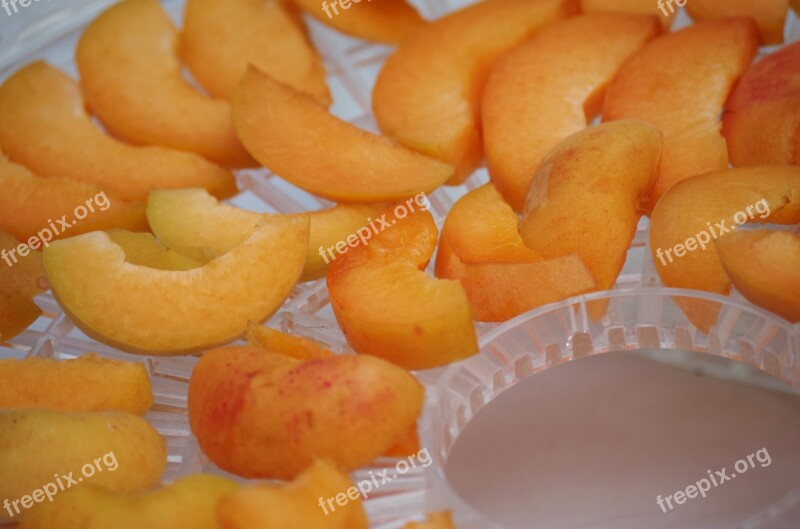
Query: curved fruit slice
(21, 278)
(143, 249)
(549, 88)
(587, 196)
(762, 117)
(219, 40)
(113, 301)
(387, 306)
(707, 207)
(195, 223)
(190, 502)
(296, 504)
(481, 247)
(765, 267)
(285, 344)
(29, 205)
(770, 15)
(131, 78)
(680, 91)
(388, 21)
(427, 95)
(297, 139)
(44, 126)
(84, 384)
(631, 7)
(266, 415)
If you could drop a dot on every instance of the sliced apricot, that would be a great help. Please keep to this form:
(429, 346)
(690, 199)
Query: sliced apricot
(587, 197)
(681, 91)
(30, 205)
(762, 116)
(275, 341)
(707, 207)
(765, 267)
(132, 80)
(43, 125)
(549, 88)
(145, 250)
(770, 15)
(386, 304)
(219, 40)
(296, 138)
(21, 278)
(481, 247)
(196, 224)
(115, 302)
(389, 21)
(631, 7)
(427, 95)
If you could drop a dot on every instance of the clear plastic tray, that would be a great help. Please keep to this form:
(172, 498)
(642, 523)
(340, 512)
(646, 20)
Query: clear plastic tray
(642, 314)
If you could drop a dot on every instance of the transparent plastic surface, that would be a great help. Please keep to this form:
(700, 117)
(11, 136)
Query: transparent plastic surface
(641, 313)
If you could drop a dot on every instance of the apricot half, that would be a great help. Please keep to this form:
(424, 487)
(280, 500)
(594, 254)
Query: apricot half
(195, 223)
(131, 78)
(301, 503)
(588, 194)
(631, 7)
(762, 116)
(549, 88)
(387, 306)
(427, 95)
(141, 309)
(296, 138)
(219, 40)
(481, 247)
(389, 21)
(43, 125)
(765, 267)
(770, 15)
(259, 414)
(681, 91)
(707, 207)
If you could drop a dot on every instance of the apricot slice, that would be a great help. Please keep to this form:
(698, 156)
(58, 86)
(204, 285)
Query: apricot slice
(389, 21)
(301, 503)
(387, 306)
(21, 278)
(427, 95)
(631, 7)
(87, 383)
(195, 223)
(296, 138)
(549, 88)
(765, 267)
(112, 449)
(31, 205)
(680, 90)
(113, 300)
(762, 116)
(131, 78)
(259, 414)
(481, 247)
(707, 207)
(143, 249)
(587, 197)
(43, 125)
(770, 15)
(189, 503)
(279, 342)
(219, 40)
